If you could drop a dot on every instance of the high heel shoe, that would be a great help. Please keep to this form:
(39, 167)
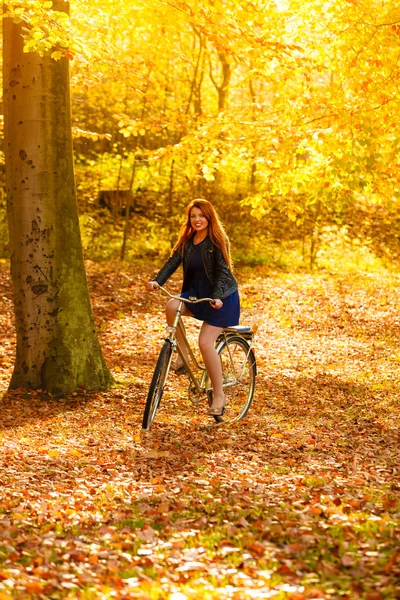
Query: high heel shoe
(218, 411)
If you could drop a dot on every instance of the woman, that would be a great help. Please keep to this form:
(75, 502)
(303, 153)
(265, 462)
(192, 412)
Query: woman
(203, 251)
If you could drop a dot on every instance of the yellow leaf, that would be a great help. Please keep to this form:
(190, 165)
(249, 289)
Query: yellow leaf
(74, 452)
(54, 453)
(47, 4)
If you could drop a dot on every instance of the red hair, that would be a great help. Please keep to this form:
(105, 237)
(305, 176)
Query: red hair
(216, 231)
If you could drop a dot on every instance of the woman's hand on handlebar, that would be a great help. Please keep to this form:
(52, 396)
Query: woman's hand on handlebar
(152, 285)
(217, 303)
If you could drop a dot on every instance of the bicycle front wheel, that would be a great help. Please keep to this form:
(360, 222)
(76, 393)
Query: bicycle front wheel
(157, 385)
(239, 377)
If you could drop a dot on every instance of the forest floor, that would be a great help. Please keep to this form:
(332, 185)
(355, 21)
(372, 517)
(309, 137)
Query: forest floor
(300, 500)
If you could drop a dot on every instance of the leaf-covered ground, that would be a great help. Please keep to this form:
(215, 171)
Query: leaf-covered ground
(300, 500)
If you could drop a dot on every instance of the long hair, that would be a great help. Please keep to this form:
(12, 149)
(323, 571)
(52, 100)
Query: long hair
(216, 231)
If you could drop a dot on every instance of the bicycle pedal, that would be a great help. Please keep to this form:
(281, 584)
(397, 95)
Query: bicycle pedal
(194, 397)
(195, 401)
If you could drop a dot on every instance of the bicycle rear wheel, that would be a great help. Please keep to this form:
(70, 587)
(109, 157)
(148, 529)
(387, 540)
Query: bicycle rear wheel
(239, 377)
(157, 385)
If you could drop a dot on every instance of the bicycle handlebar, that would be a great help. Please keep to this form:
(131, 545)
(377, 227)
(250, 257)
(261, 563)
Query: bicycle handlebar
(190, 300)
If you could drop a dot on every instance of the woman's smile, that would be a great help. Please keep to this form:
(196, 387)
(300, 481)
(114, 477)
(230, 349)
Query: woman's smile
(198, 220)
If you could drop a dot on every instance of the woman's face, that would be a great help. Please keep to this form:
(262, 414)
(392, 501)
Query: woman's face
(198, 220)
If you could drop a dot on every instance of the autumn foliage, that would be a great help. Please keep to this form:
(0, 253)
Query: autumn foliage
(284, 113)
(299, 501)
(286, 110)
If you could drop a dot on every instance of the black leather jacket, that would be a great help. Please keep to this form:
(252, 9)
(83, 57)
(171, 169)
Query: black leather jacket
(221, 278)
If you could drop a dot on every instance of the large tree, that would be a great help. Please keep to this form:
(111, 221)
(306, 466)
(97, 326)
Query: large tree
(57, 346)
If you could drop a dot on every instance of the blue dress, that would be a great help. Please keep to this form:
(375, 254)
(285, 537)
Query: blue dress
(200, 287)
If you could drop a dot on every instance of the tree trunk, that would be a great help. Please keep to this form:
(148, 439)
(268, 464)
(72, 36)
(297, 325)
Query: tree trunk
(57, 346)
(315, 235)
(195, 88)
(222, 96)
(131, 202)
(222, 88)
(226, 77)
(253, 174)
(171, 200)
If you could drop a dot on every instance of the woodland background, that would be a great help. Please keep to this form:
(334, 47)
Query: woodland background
(285, 115)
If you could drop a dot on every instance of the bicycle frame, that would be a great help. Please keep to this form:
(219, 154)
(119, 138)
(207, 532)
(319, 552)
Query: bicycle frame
(199, 383)
(234, 346)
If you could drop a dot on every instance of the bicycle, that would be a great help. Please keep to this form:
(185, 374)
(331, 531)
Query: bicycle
(235, 348)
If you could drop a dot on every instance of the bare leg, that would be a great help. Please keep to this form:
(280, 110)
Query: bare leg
(207, 339)
(170, 311)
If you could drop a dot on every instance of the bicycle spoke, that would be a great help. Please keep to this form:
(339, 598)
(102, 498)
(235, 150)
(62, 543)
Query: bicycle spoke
(238, 370)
